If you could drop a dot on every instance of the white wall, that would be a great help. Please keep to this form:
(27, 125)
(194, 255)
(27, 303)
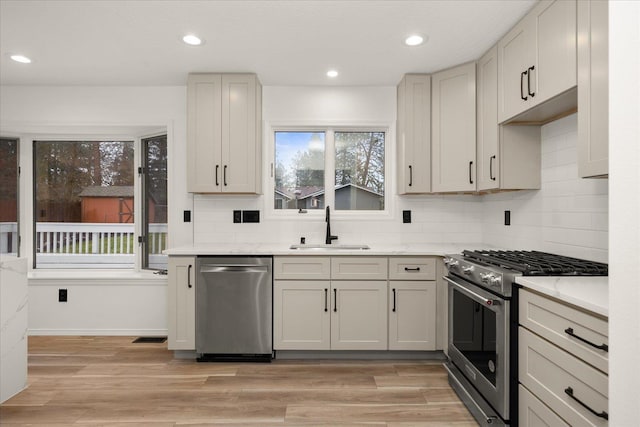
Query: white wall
(461, 215)
(567, 216)
(624, 204)
(102, 302)
(436, 219)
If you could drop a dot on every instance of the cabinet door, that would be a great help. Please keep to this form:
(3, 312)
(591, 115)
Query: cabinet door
(533, 413)
(412, 315)
(555, 29)
(453, 113)
(487, 116)
(359, 315)
(239, 133)
(593, 88)
(301, 317)
(414, 134)
(516, 54)
(181, 302)
(204, 135)
(563, 382)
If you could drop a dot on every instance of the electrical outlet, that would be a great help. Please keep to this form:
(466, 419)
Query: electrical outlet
(62, 295)
(406, 217)
(507, 217)
(186, 216)
(250, 216)
(237, 216)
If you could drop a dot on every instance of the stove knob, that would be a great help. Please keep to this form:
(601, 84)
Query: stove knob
(450, 262)
(494, 280)
(467, 270)
(485, 277)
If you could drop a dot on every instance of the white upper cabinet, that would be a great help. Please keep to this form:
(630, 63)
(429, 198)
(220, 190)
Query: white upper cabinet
(487, 122)
(414, 134)
(508, 156)
(453, 125)
(537, 61)
(224, 115)
(593, 88)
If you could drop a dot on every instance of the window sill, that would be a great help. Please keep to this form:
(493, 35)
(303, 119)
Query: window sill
(96, 277)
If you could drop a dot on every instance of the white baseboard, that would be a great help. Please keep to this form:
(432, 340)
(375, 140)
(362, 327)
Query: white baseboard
(98, 332)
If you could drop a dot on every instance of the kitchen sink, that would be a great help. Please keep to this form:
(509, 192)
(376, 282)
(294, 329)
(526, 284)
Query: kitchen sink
(321, 247)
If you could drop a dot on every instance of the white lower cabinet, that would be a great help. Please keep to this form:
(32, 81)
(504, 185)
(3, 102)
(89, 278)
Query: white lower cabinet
(301, 315)
(181, 317)
(562, 364)
(534, 413)
(359, 315)
(354, 303)
(336, 315)
(412, 315)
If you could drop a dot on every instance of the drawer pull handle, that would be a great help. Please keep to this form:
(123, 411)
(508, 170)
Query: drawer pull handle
(335, 300)
(325, 299)
(394, 300)
(529, 72)
(569, 331)
(522, 95)
(189, 276)
(412, 269)
(603, 414)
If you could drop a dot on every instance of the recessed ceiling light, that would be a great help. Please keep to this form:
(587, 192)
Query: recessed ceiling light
(414, 40)
(21, 58)
(332, 73)
(192, 40)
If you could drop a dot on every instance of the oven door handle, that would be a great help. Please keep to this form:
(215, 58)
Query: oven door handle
(469, 293)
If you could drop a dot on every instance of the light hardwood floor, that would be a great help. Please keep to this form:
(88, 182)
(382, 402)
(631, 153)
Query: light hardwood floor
(109, 381)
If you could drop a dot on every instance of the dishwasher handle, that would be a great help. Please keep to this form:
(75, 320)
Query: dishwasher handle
(228, 268)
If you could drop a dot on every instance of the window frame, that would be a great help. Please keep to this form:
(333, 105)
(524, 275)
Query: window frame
(18, 244)
(144, 213)
(330, 128)
(27, 141)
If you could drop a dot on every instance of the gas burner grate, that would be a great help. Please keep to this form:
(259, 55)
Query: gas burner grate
(534, 263)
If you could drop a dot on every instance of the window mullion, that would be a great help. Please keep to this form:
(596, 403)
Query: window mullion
(330, 169)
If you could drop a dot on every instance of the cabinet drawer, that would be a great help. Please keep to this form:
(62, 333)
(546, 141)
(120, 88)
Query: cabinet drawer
(550, 319)
(405, 268)
(359, 268)
(532, 412)
(301, 267)
(549, 372)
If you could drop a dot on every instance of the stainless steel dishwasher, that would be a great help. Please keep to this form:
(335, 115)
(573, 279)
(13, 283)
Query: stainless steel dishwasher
(234, 298)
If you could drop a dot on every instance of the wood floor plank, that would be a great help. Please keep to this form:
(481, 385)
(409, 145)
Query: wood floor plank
(378, 413)
(424, 381)
(321, 397)
(111, 382)
(291, 382)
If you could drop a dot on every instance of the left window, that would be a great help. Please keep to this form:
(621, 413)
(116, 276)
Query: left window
(84, 204)
(9, 241)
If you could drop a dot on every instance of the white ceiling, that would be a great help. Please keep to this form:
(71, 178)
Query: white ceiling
(285, 42)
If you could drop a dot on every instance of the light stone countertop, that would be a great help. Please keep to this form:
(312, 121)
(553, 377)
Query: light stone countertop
(590, 293)
(248, 249)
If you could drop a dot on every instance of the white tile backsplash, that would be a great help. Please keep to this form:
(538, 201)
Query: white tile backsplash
(568, 215)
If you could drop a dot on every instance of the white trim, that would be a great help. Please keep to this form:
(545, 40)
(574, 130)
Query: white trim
(94, 277)
(98, 332)
(329, 128)
(28, 132)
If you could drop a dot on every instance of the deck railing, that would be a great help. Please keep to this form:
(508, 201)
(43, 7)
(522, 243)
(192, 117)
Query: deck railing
(8, 238)
(95, 245)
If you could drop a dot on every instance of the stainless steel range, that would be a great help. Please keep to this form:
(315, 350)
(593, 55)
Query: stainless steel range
(483, 324)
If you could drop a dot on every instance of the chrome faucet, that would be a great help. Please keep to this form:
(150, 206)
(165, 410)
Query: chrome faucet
(328, 238)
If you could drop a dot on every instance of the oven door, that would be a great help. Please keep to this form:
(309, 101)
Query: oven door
(479, 340)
